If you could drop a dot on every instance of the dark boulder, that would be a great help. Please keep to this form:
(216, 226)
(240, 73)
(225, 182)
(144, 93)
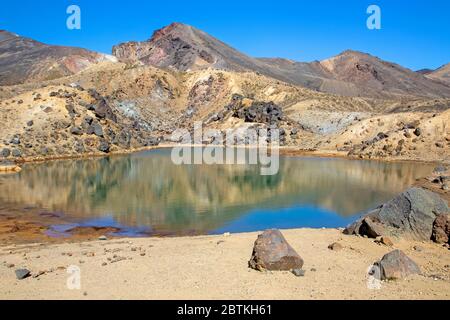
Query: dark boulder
(71, 110)
(17, 153)
(104, 111)
(258, 112)
(76, 131)
(15, 140)
(95, 128)
(396, 265)
(272, 252)
(22, 274)
(410, 214)
(152, 142)
(5, 153)
(104, 146)
(88, 120)
(98, 130)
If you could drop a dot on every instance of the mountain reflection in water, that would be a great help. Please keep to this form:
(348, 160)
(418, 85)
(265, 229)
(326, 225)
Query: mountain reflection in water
(148, 190)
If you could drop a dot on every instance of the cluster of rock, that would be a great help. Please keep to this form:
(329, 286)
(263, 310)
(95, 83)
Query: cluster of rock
(260, 112)
(416, 213)
(267, 117)
(399, 141)
(93, 125)
(441, 177)
(271, 252)
(412, 214)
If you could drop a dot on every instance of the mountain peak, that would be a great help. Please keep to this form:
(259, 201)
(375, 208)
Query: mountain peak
(174, 27)
(184, 48)
(178, 46)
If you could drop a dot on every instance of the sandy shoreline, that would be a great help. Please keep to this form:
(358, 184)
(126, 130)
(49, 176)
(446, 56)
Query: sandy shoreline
(215, 267)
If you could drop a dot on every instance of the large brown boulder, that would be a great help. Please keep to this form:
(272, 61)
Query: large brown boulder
(411, 214)
(441, 229)
(396, 265)
(272, 252)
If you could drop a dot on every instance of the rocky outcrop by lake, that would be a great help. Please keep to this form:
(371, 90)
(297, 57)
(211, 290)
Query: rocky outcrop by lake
(411, 214)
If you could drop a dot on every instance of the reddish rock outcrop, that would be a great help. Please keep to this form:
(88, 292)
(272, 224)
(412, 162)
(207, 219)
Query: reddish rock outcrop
(272, 252)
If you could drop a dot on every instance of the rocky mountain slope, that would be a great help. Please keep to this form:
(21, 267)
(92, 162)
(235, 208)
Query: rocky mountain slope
(26, 60)
(113, 107)
(441, 74)
(184, 48)
(122, 106)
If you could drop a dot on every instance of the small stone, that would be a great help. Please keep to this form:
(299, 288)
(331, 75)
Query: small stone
(10, 265)
(104, 264)
(385, 240)
(76, 131)
(335, 246)
(298, 272)
(313, 269)
(22, 274)
(16, 153)
(40, 273)
(418, 132)
(30, 123)
(102, 238)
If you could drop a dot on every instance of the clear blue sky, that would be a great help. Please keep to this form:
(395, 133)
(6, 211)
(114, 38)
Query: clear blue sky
(415, 34)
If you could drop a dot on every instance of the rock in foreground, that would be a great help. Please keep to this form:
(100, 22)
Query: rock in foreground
(410, 214)
(397, 265)
(441, 229)
(272, 252)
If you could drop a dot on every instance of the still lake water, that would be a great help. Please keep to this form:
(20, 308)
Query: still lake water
(145, 193)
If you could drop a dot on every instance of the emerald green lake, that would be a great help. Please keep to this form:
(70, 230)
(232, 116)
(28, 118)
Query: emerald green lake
(146, 194)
